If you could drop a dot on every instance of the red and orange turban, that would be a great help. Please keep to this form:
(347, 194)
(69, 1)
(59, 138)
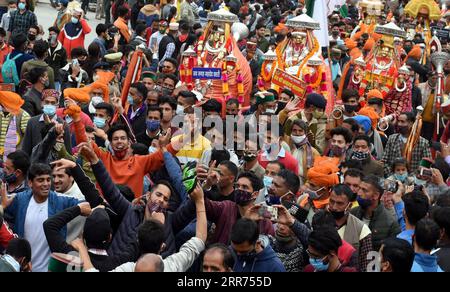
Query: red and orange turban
(324, 172)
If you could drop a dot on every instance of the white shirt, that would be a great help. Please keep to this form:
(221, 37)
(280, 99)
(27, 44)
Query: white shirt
(74, 227)
(34, 233)
(177, 262)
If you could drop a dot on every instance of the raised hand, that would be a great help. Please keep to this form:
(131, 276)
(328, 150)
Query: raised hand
(63, 164)
(88, 153)
(292, 105)
(253, 213)
(197, 194)
(5, 200)
(164, 140)
(284, 217)
(85, 208)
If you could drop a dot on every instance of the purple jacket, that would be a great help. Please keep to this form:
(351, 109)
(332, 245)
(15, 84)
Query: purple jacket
(224, 214)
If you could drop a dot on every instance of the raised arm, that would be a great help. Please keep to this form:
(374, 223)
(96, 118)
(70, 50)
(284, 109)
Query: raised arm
(110, 191)
(53, 225)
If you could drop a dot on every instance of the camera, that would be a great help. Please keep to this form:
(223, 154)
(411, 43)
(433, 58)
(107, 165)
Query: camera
(426, 172)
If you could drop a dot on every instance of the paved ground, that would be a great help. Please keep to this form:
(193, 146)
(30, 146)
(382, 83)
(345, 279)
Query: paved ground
(46, 15)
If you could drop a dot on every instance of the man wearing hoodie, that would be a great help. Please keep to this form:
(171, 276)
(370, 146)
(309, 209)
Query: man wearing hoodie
(425, 240)
(253, 254)
(148, 13)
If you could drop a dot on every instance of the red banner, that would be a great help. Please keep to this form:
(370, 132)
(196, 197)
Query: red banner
(285, 80)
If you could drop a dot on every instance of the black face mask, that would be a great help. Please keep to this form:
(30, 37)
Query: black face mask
(281, 106)
(351, 108)
(337, 215)
(31, 37)
(402, 130)
(248, 257)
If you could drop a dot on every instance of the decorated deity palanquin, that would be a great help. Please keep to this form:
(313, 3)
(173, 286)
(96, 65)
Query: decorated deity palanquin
(383, 61)
(298, 56)
(217, 48)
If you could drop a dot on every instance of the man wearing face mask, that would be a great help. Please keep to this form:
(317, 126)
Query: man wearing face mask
(17, 256)
(316, 192)
(153, 123)
(301, 148)
(6, 17)
(336, 35)
(313, 114)
(72, 75)
(57, 55)
(40, 50)
(225, 213)
(21, 19)
(272, 169)
(253, 254)
(102, 118)
(341, 139)
(48, 107)
(39, 78)
(361, 152)
(250, 161)
(396, 143)
(74, 32)
(381, 222)
(15, 172)
(137, 111)
(266, 104)
(350, 228)
(273, 150)
(284, 186)
(323, 246)
(185, 100)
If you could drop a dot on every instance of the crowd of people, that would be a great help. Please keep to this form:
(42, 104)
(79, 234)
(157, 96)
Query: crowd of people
(114, 159)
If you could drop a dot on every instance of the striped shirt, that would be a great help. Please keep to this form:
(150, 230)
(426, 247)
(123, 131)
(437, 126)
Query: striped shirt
(5, 121)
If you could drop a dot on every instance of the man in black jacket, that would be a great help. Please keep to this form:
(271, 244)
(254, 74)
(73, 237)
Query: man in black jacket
(137, 111)
(132, 216)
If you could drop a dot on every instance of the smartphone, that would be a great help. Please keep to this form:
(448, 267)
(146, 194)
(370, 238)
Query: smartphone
(269, 212)
(392, 186)
(426, 172)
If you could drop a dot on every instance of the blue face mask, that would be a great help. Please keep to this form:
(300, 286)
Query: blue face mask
(267, 181)
(99, 122)
(318, 264)
(274, 200)
(401, 177)
(152, 149)
(22, 6)
(364, 203)
(420, 182)
(153, 125)
(130, 100)
(49, 110)
(74, 20)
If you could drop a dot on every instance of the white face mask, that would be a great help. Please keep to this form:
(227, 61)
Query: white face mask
(180, 109)
(152, 149)
(271, 111)
(298, 139)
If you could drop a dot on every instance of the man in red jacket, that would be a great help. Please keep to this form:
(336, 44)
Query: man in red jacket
(225, 213)
(73, 33)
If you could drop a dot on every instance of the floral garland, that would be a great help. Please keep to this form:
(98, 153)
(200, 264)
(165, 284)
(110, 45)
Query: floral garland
(240, 84)
(267, 77)
(313, 51)
(225, 88)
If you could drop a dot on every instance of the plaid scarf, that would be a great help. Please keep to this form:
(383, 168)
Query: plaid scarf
(308, 151)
